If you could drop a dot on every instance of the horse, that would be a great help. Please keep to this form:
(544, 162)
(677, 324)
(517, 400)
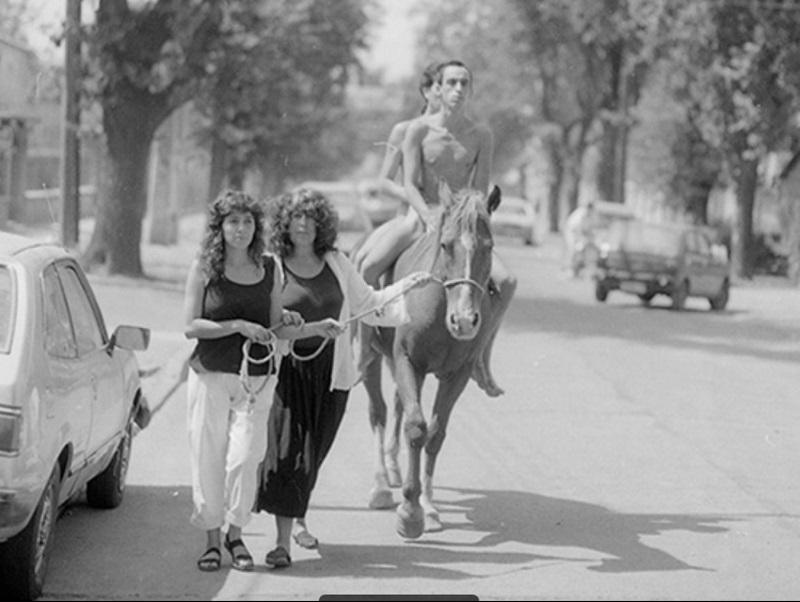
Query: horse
(442, 337)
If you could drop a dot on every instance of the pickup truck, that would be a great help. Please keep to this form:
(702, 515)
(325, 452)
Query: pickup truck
(678, 260)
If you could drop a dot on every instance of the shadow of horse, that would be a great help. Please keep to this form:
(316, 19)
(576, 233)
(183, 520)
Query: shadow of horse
(545, 529)
(537, 520)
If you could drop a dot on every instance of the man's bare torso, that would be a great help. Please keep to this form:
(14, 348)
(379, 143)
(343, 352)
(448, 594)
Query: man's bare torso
(448, 156)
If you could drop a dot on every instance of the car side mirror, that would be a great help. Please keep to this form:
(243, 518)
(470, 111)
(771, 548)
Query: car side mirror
(134, 338)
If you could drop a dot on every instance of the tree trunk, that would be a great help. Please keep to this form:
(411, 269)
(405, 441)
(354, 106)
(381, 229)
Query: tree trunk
(606, 168)
(745, 201)
(219, 166)
(570, 185)
(116, 239)
(574, 149)
(554, 183)
(236, 177)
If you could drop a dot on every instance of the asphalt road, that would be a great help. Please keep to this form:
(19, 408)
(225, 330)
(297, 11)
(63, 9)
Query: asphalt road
(638, 454)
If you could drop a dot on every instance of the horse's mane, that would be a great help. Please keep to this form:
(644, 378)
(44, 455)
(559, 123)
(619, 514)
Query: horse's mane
(465, 205)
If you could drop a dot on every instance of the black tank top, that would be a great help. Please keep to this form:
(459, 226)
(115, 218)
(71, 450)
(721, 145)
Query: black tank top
(227, 300)
(314, 298)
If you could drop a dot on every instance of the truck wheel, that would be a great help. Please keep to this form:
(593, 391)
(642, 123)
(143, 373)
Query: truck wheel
(600, 292)
(107, 489)
(679, 295)
(645, 298)
(24, 557)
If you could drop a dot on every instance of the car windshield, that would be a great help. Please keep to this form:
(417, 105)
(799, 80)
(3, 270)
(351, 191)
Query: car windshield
(644, 238)
(6, 306)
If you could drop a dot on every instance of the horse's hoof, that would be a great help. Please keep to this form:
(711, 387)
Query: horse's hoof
(381, 499)
(432, 523)
(410, 523)
(395, 478)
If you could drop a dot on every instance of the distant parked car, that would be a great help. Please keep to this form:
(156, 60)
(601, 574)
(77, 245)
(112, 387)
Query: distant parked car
(344, 195)
(679, 261)
(516, 218)
(70, 395)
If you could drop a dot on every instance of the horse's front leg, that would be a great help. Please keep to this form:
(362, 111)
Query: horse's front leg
(380, 496)
(447, 394)
(392, 448)
(410, 516)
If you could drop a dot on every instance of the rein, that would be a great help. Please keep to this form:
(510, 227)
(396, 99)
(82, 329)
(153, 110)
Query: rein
(376, 309)
(244, 371)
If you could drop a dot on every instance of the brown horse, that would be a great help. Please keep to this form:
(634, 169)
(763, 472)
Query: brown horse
(442, 338)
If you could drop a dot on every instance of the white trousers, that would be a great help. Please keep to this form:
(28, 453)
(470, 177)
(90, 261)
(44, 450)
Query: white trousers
(227, 440)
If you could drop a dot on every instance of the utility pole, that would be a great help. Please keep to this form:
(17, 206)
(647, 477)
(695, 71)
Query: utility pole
(70, 160)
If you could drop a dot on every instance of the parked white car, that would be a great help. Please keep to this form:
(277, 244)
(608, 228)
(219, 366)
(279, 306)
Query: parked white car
(70, 395)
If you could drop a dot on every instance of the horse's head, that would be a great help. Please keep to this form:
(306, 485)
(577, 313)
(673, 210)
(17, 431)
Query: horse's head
(465, 256)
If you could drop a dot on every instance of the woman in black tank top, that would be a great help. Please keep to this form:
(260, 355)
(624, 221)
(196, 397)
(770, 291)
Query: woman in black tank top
(314, 383)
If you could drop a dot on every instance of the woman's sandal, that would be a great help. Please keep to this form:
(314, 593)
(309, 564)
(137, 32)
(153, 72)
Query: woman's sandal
(242, 561)
(304, 539)
(278, 558)
(210, 560)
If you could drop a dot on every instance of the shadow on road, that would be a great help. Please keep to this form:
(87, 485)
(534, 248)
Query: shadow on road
(149, 547)
(728, 332)
(146, 546)
(536, 520)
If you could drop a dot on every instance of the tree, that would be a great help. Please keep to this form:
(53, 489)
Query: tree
(594, 59)
(146, 62)
(736, 71)
(271, 101)
(143, 64)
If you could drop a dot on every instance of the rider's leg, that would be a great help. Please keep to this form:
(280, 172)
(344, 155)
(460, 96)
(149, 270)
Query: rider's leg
(502, 284)
(388, 246)
(369, 243)
(398, 235)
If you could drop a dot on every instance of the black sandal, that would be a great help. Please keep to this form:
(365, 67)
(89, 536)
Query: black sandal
(278, 558)
(242, 561)
(210, 560)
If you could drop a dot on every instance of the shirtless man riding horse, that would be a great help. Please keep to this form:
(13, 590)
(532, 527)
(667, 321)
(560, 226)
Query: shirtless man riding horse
(448, 146)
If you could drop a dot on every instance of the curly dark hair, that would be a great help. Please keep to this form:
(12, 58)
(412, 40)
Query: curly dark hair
(212, 249)
(313, 204)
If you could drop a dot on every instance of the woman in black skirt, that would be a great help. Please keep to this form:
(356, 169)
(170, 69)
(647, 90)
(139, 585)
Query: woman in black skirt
(315, 379)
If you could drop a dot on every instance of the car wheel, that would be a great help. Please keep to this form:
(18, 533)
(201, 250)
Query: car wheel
(719, 302)
(600, 292)
(645, 298)
(107, 489)
(679, 295)
(24, 557)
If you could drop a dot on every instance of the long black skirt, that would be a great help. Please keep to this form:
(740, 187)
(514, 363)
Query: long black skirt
(302, 425)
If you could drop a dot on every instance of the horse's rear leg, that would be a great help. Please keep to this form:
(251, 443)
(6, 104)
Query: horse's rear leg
(447, 394)
(380, 496)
